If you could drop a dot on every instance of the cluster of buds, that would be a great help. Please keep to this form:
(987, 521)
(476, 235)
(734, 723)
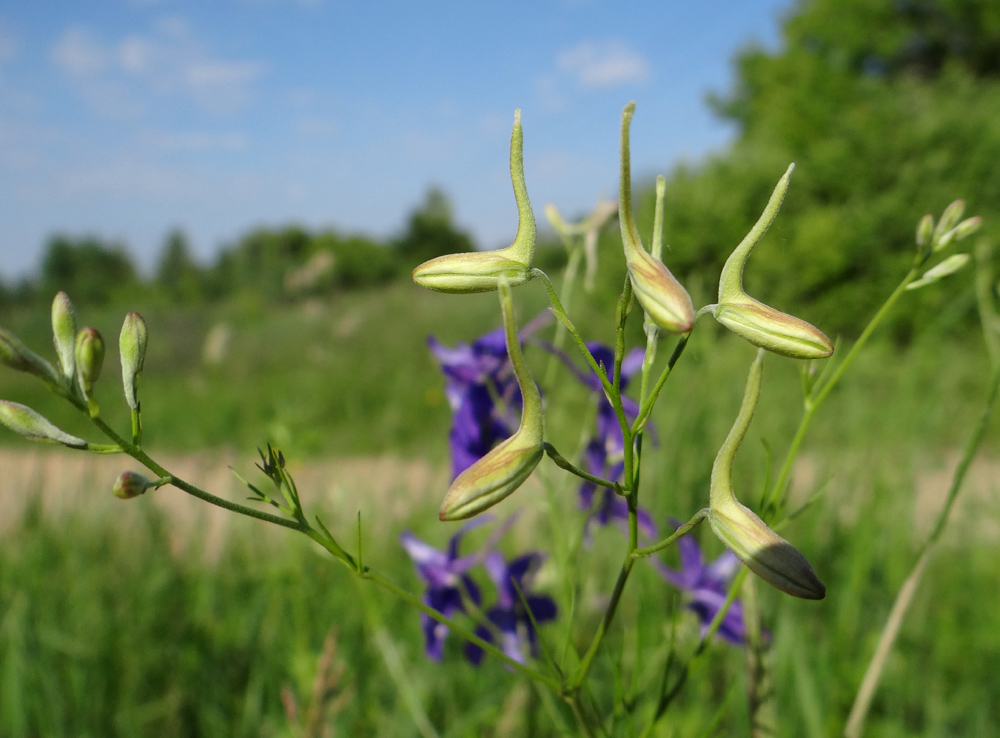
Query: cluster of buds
(79, 361)
(932, 239)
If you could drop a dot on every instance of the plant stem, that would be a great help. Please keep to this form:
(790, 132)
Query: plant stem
(141, 456)
(681, 531)
(777, 493)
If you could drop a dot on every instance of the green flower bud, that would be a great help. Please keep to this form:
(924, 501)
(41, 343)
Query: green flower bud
(131, 484)
(481, 271)
(89, 359)
(963, 230)
(925, 230)
(758, 323)
(949, 266)
(132, 349)
(64, 334)
(949, 219)
(967, 227)
(17, 356)
(773, 330)
(663, 298)
(30, 424)
(764, 552)
(509, 464)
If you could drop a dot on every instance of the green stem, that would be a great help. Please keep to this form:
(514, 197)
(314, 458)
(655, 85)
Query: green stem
(821, 393)
(647, 406)
(609, 616)
(564, 463)
(681, 531)
(668, 696)
(614, 397)
(141, 456)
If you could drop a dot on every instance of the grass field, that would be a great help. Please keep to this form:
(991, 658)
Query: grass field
(163, 617)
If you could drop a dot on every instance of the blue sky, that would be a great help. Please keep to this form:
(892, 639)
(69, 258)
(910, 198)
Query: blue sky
(127, 118)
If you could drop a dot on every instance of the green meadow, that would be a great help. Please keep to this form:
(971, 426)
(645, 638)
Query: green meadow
(157, 616)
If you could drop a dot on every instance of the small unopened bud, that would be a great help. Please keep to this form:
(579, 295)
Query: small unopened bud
(131, 484)
(663, 298)
(949, 219)
(949, 266)
(925, 230)
(478, 271)
(17, 356)
(89, 358)
(963, 230)
(764, 552)
(30, 424)
(481, 271)
(132, 348)
(506, 467)
(758, 323)
(64, 334)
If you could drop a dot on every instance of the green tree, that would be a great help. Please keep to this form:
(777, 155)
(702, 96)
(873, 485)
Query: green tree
(87, 269)
(430, 232)
(176, 272)
(889, 111)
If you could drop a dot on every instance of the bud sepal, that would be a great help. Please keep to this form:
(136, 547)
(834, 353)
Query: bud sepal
(505, 468)
(30, 424)
(664, 299)
(64, 335)
(89, 362)
(481, 271)
(130, 485)
(754, 321)
(763, 551)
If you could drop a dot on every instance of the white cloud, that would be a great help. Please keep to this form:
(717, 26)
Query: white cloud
(602, 64)
(118, 78)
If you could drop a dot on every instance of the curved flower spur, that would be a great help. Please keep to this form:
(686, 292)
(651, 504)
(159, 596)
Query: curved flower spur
(505, 468)
(758, 323)
(665, 301)
(765, 553)
(480, 271)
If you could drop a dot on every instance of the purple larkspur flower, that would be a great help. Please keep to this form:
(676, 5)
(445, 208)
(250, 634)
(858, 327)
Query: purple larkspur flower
(483, 394)
(448, 582)
(509, 617)
(706, 586)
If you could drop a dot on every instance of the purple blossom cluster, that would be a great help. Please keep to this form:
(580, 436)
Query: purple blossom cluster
(485, 401)
(450, 590)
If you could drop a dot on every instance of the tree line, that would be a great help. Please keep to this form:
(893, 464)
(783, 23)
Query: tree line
(275, 264)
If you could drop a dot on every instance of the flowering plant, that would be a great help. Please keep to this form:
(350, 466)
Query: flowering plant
(498, 440)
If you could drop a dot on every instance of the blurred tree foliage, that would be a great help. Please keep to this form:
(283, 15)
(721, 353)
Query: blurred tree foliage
(431, 232)
(89, 269)
(890, 110)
